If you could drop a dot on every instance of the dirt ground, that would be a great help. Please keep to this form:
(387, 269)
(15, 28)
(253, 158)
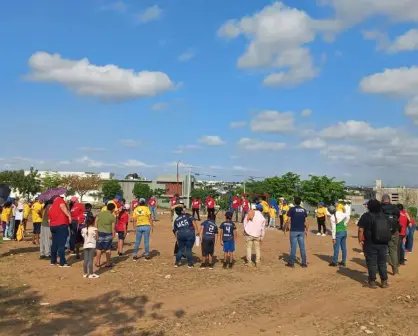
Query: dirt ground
(153, 298)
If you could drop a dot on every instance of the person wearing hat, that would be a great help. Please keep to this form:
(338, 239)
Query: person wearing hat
(339, 220)
(284, 211)
(37, 208)
(393, 213)
(321, 219)
(77, 218)
(143, 225)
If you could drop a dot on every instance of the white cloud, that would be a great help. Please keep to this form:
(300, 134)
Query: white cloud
(237, 124)
(116, 6)
(108, 82)
(278, 35)
(256, 145)
(150, 14)
(64, 162)
(134, 163)
(355, 130)
(186, 56)
(90, 162)
(161, 106)
(129, 142)
(273, 122)
(92, 149)
(240, 168)
(306, 113)
(405, 42)
(381, 38)
(212, 140)
(316, 143)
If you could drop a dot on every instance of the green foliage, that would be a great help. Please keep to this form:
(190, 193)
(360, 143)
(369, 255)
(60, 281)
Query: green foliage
(224, 202)
(322, 189)
(202, 193)
(27, 185)
(110, 189)
(283, 186)
(356, 216)
(158, 192)
(413, 212)
(51, 180)
(142, 190)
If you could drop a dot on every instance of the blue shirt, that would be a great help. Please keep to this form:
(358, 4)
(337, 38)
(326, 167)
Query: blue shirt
(210, 230)
(297, 217)
(228, 229)
(183, 223)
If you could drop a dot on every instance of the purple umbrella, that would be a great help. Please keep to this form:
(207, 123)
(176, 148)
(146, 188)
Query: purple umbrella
(47, 195)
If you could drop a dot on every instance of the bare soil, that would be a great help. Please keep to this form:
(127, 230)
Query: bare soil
(153, 298)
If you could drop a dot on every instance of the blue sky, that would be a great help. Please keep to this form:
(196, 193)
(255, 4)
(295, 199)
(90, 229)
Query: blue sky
(249, 88)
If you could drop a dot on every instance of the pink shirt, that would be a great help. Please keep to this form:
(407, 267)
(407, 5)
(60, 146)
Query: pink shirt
(256, 227)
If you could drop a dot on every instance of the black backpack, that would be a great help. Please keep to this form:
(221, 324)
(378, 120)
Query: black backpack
(381, 229)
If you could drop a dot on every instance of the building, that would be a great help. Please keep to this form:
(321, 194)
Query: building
(402, 194)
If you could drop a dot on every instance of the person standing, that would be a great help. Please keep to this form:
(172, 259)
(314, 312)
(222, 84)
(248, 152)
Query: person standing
(143, 225)
(266, 210)
(59, 219)
(376, 229)
(6, 214)
(410, 236)
(284, 211)
(254, 230)
(152, 203)
(236, 203)
(26, 212)
(208, 237)
(37, 208)
(18, 218)
(228, 235)
(105, 223)
(210, 206)
(273, 214)
(393, 214)
(245, 208)
(298, 231)
(77, 218)
(404, 222)
(339, 221)
(321, 219)
(122, 229)
(196, 204)
(134, 204)
(185, 229)
(173, 202)
(89, 234)
(45, 241)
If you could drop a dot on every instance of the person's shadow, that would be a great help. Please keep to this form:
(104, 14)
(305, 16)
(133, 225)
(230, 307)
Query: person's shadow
(355, 275)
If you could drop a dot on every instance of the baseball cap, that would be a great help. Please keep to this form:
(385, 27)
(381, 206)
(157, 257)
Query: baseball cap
(74, 199)
(142, 200)
(332, 210)
(117, 197)
(321, 203)
(385, 197)
(259, 207)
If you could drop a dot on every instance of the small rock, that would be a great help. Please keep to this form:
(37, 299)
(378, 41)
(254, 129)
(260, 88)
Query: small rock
(380, 325)
(368, 332)
(168, 276)
(178, 324)
(25, 285)
(233, 313)
(44, 303)
(371, 323)
(363, 328)
(408, 297)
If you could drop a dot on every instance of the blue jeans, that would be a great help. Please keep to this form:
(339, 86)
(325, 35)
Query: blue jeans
(295, 239)
(235, 211)
(185, 240)
(153, 212)
(11, 229)
(410, 238)
(244, 213)
(144, 230)
(340, 241)
(59, 237)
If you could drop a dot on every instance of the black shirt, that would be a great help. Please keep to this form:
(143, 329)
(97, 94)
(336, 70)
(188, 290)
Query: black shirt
(365, 223)
(393, 212)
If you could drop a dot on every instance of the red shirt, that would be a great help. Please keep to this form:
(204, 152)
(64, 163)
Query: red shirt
(196, 203)
(245, 205)
(55, 214)
(403, 221)
(236, 203)
(122, 222)
(173, 200)
(77, 213)
(210, 203)
(134, 204)
(152, 202)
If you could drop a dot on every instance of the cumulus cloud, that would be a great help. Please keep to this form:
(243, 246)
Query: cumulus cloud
(306, 113)
(150, 14)
(273, 122)
(405, 42)
(135, 163)
(316, 143)
(256, 145)
(90, 162)
(355, 130)
(108, 82)
(212, 140)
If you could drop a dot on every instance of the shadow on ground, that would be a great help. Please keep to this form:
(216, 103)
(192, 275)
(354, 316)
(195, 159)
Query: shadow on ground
(23, 312)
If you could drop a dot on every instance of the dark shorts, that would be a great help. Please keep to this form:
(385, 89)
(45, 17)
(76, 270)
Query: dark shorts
(229, 246)
(121, 235)
(208, 247)
(37, 228)
(104, 242)
(78, 237)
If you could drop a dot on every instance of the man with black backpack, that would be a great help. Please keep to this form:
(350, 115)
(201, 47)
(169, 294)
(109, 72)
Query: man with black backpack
(376, 229)
(393, 214)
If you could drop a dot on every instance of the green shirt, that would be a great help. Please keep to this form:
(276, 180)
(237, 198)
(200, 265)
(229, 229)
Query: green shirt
(105, 221)
(340, 227)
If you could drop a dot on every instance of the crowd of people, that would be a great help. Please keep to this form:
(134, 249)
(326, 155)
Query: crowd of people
(60, 228)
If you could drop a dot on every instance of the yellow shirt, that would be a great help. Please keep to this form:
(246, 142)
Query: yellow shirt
(5, 215)
(115, 212)
(265, 206)
(104, 208)
(26, 211)
(321, 212)
(37, 212)
(273, 212)
(142, 215)
(340, 207)
(286, 208)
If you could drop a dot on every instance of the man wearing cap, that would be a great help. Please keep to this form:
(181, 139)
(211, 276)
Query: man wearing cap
(321, 218)
(37, 208)
(393, 213)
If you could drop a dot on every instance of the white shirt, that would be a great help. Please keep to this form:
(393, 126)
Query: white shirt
(18, 215)
(90, 235)
(341, 216)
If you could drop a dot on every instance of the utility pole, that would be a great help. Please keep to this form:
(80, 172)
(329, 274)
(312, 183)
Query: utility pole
(177, 185)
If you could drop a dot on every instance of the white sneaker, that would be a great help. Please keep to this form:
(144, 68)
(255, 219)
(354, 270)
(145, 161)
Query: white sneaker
(94, 276)
(318, 234)
(85, 275)
(5, 238)
(324, 235)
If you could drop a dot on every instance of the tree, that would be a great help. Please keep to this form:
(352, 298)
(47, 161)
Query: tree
(27, 185)
(82, 184)
(141, 190)
(110, 189)
(202, 193)
(52, 180)
(133, 176)
(159, 192)
(322, 189)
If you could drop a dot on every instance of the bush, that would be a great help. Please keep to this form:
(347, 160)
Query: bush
(413, 212)
(356, 216)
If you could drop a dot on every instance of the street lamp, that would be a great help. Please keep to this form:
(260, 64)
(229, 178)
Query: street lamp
(177, 186)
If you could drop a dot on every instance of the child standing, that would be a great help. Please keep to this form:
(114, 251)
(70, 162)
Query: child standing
(6, 215)
(89, 234)
(273, 213)
(122, 228)
(208, 234)
(228, 233)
